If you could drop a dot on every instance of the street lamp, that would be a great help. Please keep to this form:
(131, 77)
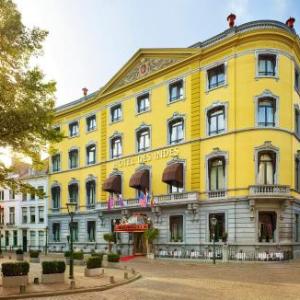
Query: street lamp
(213, 222)
(46, 244)
(71, 206)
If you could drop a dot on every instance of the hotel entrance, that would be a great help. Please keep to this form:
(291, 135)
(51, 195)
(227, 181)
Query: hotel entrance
(139, 247)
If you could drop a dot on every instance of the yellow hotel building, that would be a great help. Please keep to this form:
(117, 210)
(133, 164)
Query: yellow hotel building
(208, 131)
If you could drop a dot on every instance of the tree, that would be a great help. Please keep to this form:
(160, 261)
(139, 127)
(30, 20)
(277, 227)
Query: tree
(26, 99)
(108, 237)
(150, 235)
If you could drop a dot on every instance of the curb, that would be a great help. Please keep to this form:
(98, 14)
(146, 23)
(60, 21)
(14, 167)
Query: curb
(74, 291)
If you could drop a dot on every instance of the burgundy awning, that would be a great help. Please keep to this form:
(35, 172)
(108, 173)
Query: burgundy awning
(112, 184)
(140, 180)
(173, 175)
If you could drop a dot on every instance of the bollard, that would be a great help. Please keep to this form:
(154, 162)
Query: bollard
(125, 275)
(36, 280)
(111, 279)
(22, 289)
(133, 271)
(72, 284)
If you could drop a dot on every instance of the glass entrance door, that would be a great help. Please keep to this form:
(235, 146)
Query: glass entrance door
(138, 244)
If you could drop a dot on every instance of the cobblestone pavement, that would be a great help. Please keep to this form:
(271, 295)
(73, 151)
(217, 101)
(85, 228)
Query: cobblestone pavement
(173, 280)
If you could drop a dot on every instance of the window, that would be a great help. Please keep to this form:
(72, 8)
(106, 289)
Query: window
(91, 193)
(91, 154)
(2, 215)
(297, 173)
(24, 196)
(73, 129)
(55, 194)
(176, 228)
(56, 232)
(297, 79)
(15, 238)
(267, 226)
(176, 131)
(91, 123)
(1, 195)
(24, 215)
(73, 158)
(56, 163)
(116, 147)
(91, 230)
(143, 103)
(41, 214)
(12, 194)
(266, 64)
(216, 173)
(74, 231)
(6, 238)
(32, 196)
(175, 189)
(266, 112)
(116, 235)
(32, 214)
(216, 76)
(297, 122)
(12, 215)
(57, 128)
(73, 192)
(32, 239)
(143, 140)
(41, 191)
(219, 230)
(176, 90)
(116, 113)
(266, 167)
(41, 239)
(216, 120)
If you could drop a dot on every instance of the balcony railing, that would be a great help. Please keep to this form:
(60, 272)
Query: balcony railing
(217, 194)
(269, 190)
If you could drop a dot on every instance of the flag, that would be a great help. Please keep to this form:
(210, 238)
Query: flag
(142, 199)
(110, 202)
(121, 202)
(148, 198)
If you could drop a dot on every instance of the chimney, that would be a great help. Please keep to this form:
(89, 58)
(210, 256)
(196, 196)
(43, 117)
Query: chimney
(85, 91)
(230, 19)
(290, 22)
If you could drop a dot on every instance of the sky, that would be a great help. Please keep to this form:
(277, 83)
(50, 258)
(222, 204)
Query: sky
(90, 40)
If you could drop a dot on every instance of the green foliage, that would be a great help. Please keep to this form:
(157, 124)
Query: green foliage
(94, 262)
(67, 254)
(34, 254)
(98, 254)
(151, 234)
(108, 237)
(26, 99)
(76, 255)
(15, 269)
(113, 257)
(19, 251)
(52, 267)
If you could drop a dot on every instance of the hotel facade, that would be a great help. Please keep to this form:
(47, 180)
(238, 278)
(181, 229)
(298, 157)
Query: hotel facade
(207, 131)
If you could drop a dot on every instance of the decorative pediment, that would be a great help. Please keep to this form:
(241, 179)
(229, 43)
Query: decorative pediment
(144, 63)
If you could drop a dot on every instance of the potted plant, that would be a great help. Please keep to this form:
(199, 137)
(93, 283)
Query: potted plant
(150, 235)
(19, 255)
(67, 255)
(112, 259)
(15, 274)
(108, 237)
(93, 266)
(53, 271)
(78, 258)
(34, 256)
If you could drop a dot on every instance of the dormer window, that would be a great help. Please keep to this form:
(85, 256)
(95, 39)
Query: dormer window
(176, 90)
(73, 129)
(216, 76)
(267, 65)
(116, 113)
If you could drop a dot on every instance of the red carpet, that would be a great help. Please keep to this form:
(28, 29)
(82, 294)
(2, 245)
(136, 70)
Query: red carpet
(127, 258)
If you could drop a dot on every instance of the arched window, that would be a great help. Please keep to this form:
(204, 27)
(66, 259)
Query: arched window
(143, 139)
(116, 147)
(90, 193)
(216, 173)
(266, 112)
(216, 120)
(55, 196)
(266, 167)
(176, 131)
(73, 192)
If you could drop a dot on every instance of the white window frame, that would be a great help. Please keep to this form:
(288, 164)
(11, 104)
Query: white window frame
(266, 52)
(174, 81)
(215, 65)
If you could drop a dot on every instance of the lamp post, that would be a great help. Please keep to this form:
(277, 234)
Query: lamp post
(71, 206)
(46, 241)
(213, 222)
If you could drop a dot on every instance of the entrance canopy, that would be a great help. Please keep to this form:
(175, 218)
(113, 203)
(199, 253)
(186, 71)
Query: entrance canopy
(140, 180)
(136, 223)
(112, 184)
(173, 175)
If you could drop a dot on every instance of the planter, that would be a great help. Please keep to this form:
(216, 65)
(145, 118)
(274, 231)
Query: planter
(34, 260)
(77, 262)
(53, 278)
(14, 281)
(93, 272)
(19, 257)
(150, 255)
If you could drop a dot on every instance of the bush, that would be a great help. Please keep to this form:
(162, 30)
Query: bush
(113, 257)
(67, 254)
(19, 251)
(98, 254)
(15, 269)
(78, 255)
(108, 237)
(52, 267)
(34, 254)
(94, 262)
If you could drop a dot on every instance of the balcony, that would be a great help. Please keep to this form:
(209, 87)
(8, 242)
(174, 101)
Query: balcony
(219, 194)
(269, 191)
